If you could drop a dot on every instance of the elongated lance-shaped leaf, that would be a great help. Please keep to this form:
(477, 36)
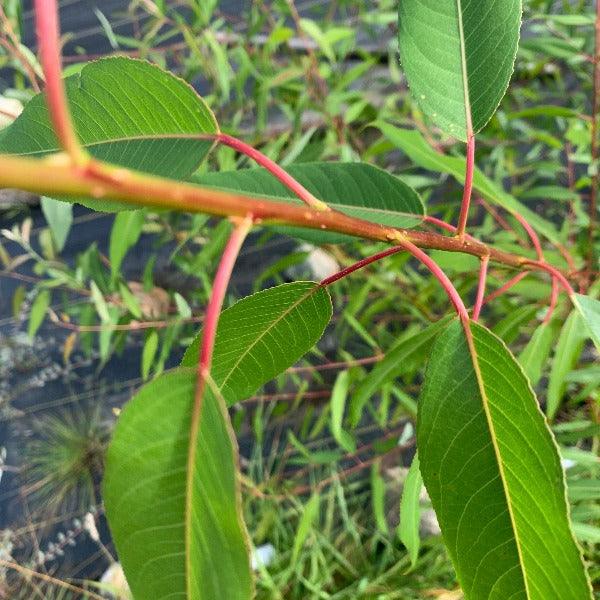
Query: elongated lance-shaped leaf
(145, 496)
(414, 145)
(356, 189)
(397, 360)
(145, 490)
(535, 355)
(263, 334)
(410, 511)
(492, 470)
(458, 56)
(589, 309)
(128, 112)
(568, 350)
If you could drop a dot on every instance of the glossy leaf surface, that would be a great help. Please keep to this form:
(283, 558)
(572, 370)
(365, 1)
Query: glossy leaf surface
(458, 56)
(492, 470)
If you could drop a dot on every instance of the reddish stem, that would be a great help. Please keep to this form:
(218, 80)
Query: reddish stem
(274, 169)
(510, 283)
(533, 236)
(215, 303)
(554, 272)
(481, 287)
(553, 300)
(466, 199)
(213, 310)
(444, 225)
(47, 29)
(439, 274)
(360, 264)
(439, 223)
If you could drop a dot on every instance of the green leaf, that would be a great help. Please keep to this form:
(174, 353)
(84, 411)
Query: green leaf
(589, 309)
(412, 143)
(128, 112)
(310, 516)
(38, 312)
(263, 334)
(124, 235)
(492, 470)
(378, 497)
(145, 496)
(410, 511)
(149, 353)
(568, 349)
(59, 216)
(397, 360)
(534, 356)
(356, 189)
(339, 394)
(257, 338)
(458, 56)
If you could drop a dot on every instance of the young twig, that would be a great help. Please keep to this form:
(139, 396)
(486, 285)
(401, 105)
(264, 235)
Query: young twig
(274, 169)
(213, 311)
(47, 29)
(481, 287)
(466, 199)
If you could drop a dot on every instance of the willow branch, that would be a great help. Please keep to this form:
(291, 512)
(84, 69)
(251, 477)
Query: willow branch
(56, 176)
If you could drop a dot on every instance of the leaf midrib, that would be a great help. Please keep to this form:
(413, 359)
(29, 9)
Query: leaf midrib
(207, 137)
(488, 416)
(309, 293)
(464, 73)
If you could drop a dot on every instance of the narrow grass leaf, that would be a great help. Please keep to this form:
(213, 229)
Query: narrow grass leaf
(410, 511)
(125, 233)
(310, 516)
(534, 356)
(38, 312)
(414, 145)
(59, 216)
(339, 394)
(149, 353)
(378, 497)
(568, 350)
(397, 360)
(589, 308)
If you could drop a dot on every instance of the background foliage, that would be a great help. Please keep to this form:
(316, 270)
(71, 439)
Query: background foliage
(325, 447)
